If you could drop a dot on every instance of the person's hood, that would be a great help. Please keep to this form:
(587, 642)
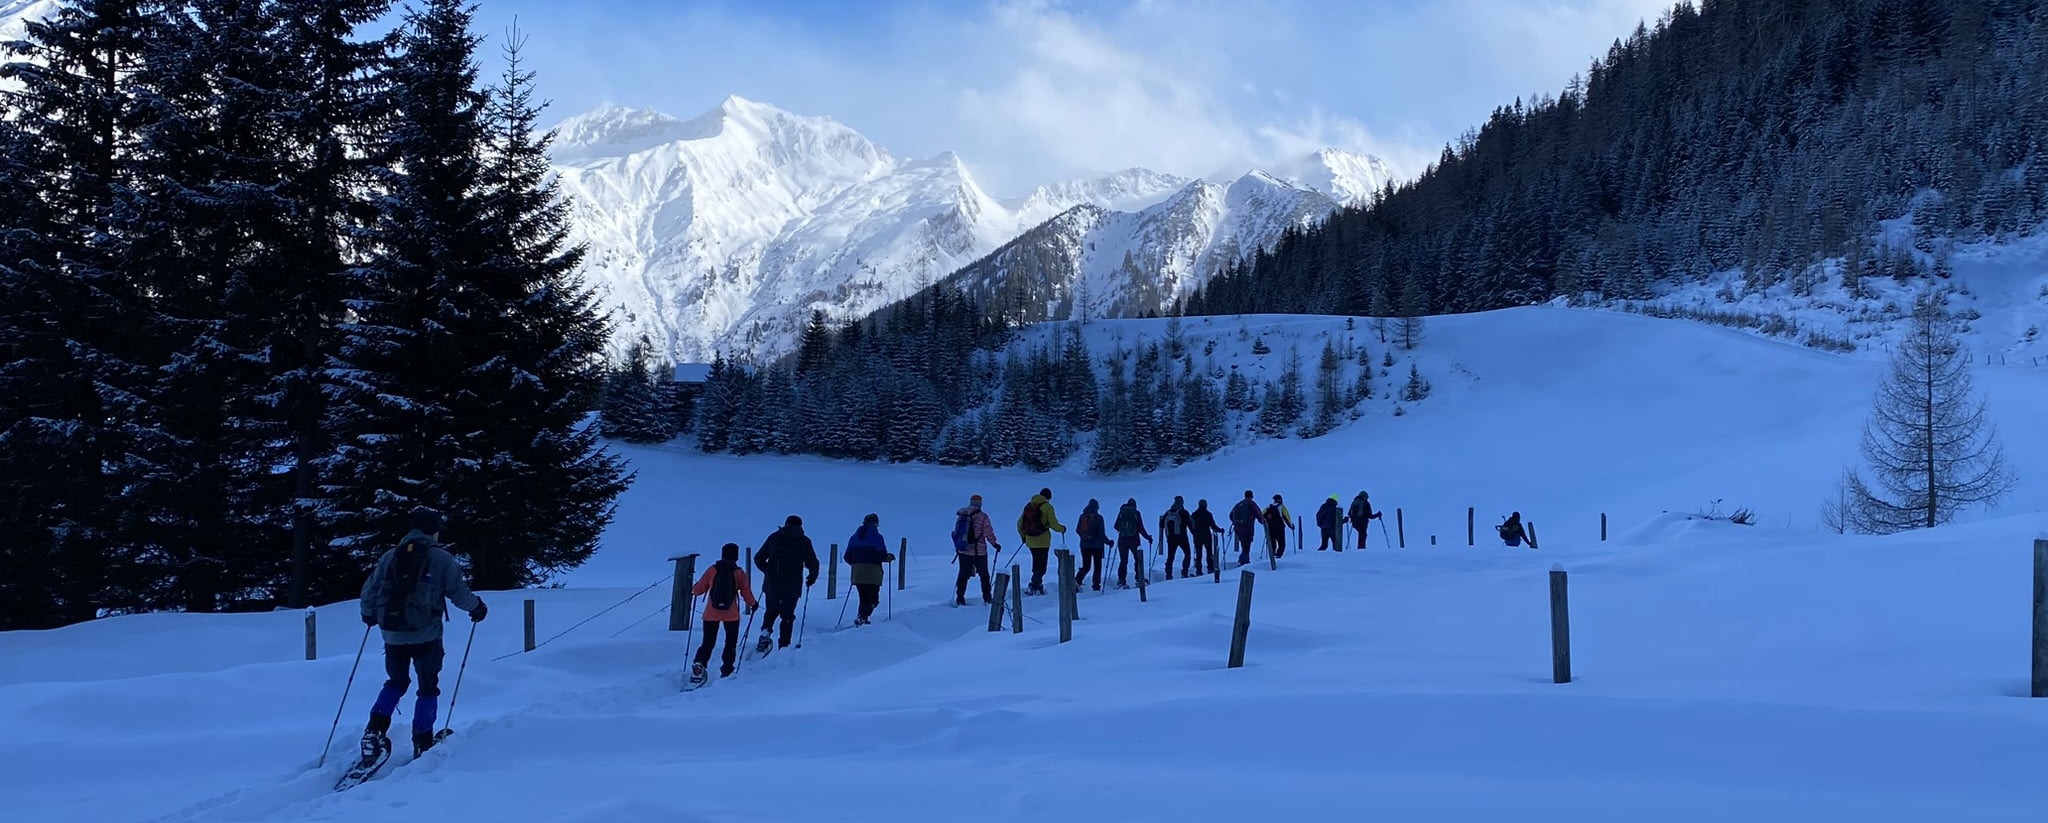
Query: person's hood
(967, 510)
(1092, 507)
(1202, 506)
(417, 536)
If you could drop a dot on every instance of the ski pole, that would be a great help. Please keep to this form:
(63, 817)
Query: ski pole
(1385, 541)
(690, 633)
(892, 596)
(448, 721)
(742, 658)
(842, 609)
(344, 696)
(805, 619)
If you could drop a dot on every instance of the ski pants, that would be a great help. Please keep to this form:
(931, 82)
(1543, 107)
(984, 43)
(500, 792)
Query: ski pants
(971, 565)
(1124, 556)
(1091, 561)
(870, 596)
(399, 661)
(1178, 544)
(1038, 558)
(1244, 546)
(782, 599)
(732, 644)
(1276, 541)
(1362, 526)
(1205, 550)
(1330, 539)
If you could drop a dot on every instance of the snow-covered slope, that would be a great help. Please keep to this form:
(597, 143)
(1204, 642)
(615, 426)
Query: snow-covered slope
(1765, 673)
(1092, 262)
(726, 231)
(15, 14)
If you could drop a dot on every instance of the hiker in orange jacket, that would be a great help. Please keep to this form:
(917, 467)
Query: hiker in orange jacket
(725, 583)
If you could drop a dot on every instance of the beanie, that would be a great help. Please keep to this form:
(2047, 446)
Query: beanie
(793, 521)
(730, 551)
(871, 519)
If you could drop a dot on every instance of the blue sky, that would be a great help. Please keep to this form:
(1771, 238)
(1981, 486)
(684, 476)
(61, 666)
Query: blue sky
(1030, 91)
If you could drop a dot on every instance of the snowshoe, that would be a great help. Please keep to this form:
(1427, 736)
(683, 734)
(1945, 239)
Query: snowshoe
(698, 677)
(422, 741)
(761, 648)
(376, 751)
(860, 621)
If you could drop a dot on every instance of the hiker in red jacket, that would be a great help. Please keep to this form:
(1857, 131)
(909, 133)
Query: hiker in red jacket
(973, 534)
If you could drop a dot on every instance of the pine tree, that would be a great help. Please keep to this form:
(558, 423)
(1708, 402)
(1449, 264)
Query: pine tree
(1417, 388)
(1284, 403)
(1929, 441)
(1330, 394)
(77, 425)
(472, 364)
(1237, 392)
(1115, 440)
(632, 410)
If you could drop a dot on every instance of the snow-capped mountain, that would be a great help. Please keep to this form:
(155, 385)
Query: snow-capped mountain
(724, 232)
(15, 14)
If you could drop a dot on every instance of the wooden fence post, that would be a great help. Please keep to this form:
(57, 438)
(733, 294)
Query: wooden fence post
(902, 562)
(529, 624)
(1016, 599)
(679, 594)
(1067, 586)
(1144, 572)
(1603, 527)
(1242, 626)
(2040, 618)
(995, 604)
(312, 631)
(1297, 534)
(832, 574)
(1560, 629)
(1400, 527)
(1469, 539)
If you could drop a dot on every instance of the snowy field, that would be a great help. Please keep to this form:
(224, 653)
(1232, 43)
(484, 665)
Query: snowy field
(1723, 672)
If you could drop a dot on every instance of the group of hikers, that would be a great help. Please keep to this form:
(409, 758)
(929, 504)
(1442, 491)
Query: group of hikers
(408, 591)
(1191, 537)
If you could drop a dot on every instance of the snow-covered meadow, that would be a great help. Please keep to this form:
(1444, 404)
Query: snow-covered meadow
(1769, 672)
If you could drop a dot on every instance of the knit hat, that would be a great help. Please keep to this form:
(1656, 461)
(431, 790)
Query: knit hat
(793, 521)
(729, 551)
(1276, 498)
(428, 520)
(1092, 505)
(1045, 493)
(871, 519)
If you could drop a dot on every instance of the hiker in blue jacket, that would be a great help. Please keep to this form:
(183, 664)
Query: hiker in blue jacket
(406, 596)
(866, 551)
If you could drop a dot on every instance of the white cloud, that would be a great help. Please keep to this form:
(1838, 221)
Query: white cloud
(1029, 91)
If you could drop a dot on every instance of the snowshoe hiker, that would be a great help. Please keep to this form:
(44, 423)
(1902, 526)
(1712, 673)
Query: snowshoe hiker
(1362, 515)
(722, 586)
(1203, 524)
(866, 551)
(1278, 520)
(406, 596)
(973, 535)
(1511, 531)
(1035, 526)
(1243, 517)
(1175, 526)
(788, 564)
(1130, 526)
(1094, 541)
(1328, 519)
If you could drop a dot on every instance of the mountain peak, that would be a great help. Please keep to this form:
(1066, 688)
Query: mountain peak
(615, 130)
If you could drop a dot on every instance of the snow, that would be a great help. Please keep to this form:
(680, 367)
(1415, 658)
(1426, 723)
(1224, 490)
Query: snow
(1768, 672)
(722, 233)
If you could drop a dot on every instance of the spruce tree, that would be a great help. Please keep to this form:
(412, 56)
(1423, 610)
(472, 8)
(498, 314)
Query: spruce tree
(1417, 388)
(472, 363)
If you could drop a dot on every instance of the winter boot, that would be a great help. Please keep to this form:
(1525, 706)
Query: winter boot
(698, 676)
(767, 639)
(860, 621)
(960, 599)
(421, 742)
(375, 747)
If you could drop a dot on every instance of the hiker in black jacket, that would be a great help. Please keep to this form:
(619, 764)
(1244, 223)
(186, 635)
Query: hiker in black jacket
(1205, 532)
(1243, 518)
(1328, 519)
(1174, 526)
(1362, 515)
(788, 564)
(1094, 536)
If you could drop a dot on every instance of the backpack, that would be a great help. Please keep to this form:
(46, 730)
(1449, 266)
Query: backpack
(725, 587)
(961, 526)
(1327, 518)
(1274, 518)
(408, 566)
(1033, 521)
(1127, 522)
(1176, 522)
(1090, 528)
(1243, 515)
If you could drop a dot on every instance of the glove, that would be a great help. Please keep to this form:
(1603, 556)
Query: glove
(369, 620)
(476, 615)
(753, 607)
(810, 581)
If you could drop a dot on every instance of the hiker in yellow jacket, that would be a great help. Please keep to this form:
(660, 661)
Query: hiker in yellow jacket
(1036, 526)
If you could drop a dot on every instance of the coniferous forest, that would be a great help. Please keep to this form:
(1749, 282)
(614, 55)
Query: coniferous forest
(268, 280)
(1757, 135)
